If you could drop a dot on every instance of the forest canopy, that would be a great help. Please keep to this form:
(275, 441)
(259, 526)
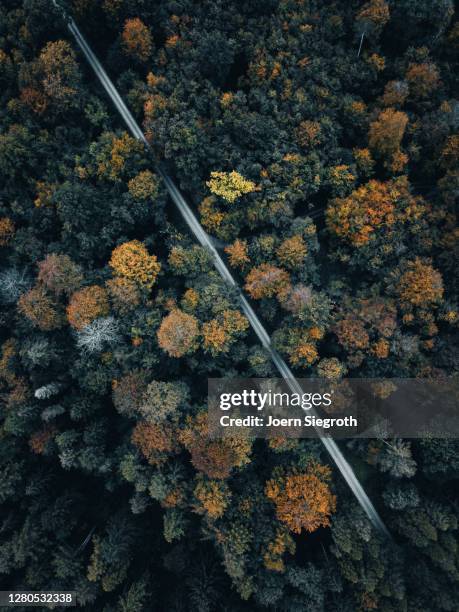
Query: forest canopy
(317, 143)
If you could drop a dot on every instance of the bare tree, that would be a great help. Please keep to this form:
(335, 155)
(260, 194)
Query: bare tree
(13, 283)
(96, 335)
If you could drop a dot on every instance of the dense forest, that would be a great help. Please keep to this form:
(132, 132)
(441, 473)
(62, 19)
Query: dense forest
(317, 142)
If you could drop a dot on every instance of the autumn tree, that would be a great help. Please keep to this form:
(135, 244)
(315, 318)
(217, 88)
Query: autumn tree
(214, 457)
(61, 74)
(292, 252)
(155, 442)
(275, 550)
(331, 368)
(124, 294)
(368, 208)
(308, 134)
(86, 305)
(212, 497)
(386, 132)
(299, 344)
(115, 158)
(238, 253)
(137, 39)
(131, 260)
(7, 230)
(395, 93)
(128, 392)
(44, 193)
(40, 309)
(144, 186)
(178, 333)
(422, 79)
(352, 334)
(40, 439)
(266, 281)
(372, 17)
(302, 499)
(59, 274)
(419, 284)
(230, 185)
(219, 333)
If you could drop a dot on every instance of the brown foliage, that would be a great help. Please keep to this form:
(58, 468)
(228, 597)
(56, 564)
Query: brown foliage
(303, 500)
(6, 360)
(155, 442)
(178, 333)
(238, 254)
(45, 193)
(386, 133)
(39, 440)
(219, 333)
(35, 99)
(215, 458)
(266, 281)
(86, 305)
(395, 93)
(375, 12)
(292, 252)
(450, 152)
(137, 39)
(422, 78)
(308, 133)
(420, 284)
(60, 71)
(123, 293)
(213, 497)
(358, 216)
(59, 274)
(40, 309)
(7, 230)
(128, 392)
(352, 334)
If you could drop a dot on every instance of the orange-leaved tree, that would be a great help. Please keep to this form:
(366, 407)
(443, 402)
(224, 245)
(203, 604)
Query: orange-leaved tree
(86, 305)
(155, 441)
(357, 217)
(292, 252)
(215, 458)
(303, 499)
(238, 254)
(61, 74)
(212, 497)
(372, 17)
(219, 333)
(137, 39)
(422, 78)
(419, 284)
(124, 294)
(40, 309)
(266, 281)
(131, 260)
(178, 333)
(386, 132)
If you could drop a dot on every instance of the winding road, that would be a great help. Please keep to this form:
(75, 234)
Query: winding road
(202, 237)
